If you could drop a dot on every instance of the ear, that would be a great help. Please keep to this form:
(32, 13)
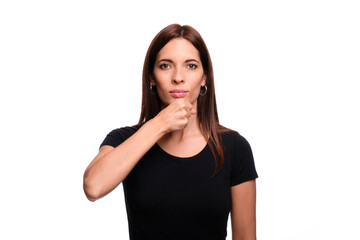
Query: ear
(152, 81)
(203, 81)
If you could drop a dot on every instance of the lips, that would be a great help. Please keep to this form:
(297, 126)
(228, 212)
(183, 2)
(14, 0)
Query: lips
(178, 93)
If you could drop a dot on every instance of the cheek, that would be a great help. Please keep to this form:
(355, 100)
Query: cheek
(161, 83)
(161, 77)
(162, 87)
(197, 80)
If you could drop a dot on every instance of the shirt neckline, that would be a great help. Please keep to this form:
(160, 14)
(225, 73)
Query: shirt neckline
(182, 159)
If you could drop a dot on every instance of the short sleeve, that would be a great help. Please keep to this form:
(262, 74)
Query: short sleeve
(118, 136)
(242, 165)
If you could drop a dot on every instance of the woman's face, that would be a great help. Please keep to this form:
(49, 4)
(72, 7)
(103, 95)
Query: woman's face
(178, 72)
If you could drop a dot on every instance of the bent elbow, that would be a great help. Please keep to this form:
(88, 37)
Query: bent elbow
(91, 191)
(91, 197)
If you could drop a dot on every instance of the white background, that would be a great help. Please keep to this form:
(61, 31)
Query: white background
(286, 75)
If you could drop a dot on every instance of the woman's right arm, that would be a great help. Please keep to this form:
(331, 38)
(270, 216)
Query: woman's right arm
(111, 165)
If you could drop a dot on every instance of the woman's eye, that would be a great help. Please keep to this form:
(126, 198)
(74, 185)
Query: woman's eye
(192, 66)
(164, 66)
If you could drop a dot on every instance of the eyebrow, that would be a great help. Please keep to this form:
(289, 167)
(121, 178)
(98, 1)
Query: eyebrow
(169, 60)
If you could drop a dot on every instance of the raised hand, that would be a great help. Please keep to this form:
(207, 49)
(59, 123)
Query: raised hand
(176, 116)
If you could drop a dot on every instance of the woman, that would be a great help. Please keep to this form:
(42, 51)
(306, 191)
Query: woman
(182, 172)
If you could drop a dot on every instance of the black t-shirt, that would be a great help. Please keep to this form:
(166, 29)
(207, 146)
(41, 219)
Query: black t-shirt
(169, 197)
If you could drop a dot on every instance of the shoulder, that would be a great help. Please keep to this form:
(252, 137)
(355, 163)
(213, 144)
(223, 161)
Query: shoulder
(124, 131)
(119, 135)
(237, 149)
(231, 137)
(235, 144)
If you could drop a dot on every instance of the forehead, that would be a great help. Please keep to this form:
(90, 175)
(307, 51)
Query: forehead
(178, 48)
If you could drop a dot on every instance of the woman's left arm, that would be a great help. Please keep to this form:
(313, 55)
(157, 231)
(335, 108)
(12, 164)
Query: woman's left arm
(243, 211)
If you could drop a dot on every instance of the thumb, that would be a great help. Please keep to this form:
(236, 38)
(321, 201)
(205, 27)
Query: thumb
(193, 111)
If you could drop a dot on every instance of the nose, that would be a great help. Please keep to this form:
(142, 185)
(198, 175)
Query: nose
(178, 76)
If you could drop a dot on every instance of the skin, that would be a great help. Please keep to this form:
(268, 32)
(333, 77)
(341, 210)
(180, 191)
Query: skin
(177, 66)
(243, 211)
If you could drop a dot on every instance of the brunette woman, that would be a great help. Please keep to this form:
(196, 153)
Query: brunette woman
(182, 172)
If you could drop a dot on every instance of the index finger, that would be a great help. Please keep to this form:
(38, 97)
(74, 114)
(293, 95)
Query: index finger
(192, 110)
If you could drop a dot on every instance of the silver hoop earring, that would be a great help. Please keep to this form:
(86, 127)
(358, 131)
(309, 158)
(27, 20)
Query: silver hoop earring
(152, 89)
(204, 92)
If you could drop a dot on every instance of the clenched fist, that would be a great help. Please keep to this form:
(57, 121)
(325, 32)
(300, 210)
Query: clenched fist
(176, 115)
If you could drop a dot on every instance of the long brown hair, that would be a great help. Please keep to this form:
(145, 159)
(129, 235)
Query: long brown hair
(206, 104)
